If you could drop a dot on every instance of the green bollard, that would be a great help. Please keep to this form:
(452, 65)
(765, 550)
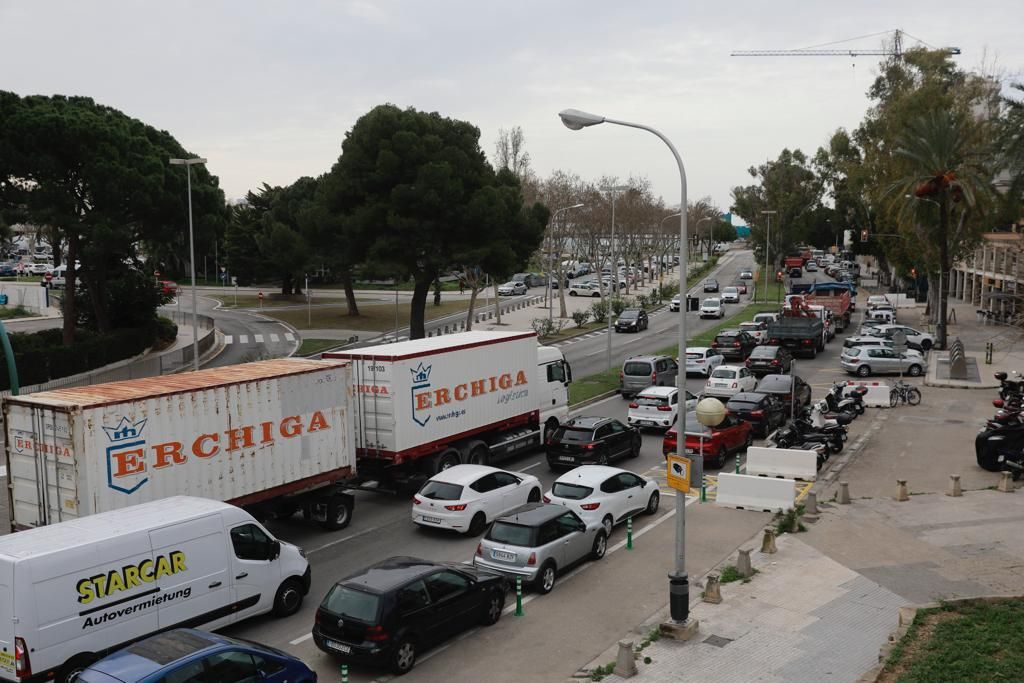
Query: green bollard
(703, 490)
(519, 596)
(737, 463)
(629, 534)
(344, 673)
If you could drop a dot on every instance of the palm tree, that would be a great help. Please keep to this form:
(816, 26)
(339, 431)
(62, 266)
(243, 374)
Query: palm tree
(945, 166)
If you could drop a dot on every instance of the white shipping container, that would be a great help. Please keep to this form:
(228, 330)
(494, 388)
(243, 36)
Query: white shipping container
(239, 434)
(416, 393)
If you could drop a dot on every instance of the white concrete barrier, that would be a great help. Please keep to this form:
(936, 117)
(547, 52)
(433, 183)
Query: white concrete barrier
(790, 463)
(755, 493)
(878, 392)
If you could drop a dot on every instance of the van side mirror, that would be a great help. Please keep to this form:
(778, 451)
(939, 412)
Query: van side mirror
(275, 550)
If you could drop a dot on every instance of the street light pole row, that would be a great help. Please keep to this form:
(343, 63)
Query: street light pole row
(188, 164)
(551, 258)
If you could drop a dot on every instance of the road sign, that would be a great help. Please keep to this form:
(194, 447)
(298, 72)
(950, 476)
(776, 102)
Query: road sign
(156, 274)
(48, 276)
(678, 474)
(898, 337)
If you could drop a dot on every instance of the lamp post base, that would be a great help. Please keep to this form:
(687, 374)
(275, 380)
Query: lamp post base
(680, 626)
(679, 630)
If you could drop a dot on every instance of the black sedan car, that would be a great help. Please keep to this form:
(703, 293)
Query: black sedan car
(764, 412)
(783, 388)
(769, 360)
(711, 285)
(632, 320)
(591, 441)
(389, 612)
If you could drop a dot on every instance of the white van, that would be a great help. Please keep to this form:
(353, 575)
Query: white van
(72, 592)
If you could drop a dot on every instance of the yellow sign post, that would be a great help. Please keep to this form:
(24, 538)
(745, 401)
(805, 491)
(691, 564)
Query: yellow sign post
(678, 472)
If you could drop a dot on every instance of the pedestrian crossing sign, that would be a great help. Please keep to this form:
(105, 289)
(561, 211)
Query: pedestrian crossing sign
(678, 474)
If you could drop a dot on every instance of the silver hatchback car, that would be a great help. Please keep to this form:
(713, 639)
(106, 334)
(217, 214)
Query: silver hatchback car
(869, 360)
(539, 542)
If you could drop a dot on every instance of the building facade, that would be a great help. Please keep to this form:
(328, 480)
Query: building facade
(991, 277)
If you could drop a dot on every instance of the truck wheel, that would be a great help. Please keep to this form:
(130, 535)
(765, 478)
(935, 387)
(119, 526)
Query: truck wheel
(288, 598)
(479, 455)
(446, 460)
(339, 514)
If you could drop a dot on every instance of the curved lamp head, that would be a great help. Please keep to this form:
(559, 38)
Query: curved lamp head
(574, 119)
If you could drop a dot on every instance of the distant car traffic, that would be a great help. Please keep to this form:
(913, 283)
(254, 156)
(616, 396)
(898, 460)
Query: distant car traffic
(640, 372)
(741, 287)
(632, 320)
(711, 285)
(167, 287)
(604, 495)
(712, 308)
(512, 289)
(746, 275)
(734, 344)
(391, 611)
(758, 329)
(702, 360)
(464, 498)
(730, 295)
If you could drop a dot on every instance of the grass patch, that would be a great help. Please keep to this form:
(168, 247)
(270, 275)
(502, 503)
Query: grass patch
(788, 522)
(571, 330)
(776, 290)
(962, 642)
(585, 388)
(10, 312)
(311, 346)
(274, 300)
(372, 317)
(730, 574)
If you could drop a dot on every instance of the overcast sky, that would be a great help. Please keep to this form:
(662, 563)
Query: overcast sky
(267, 90)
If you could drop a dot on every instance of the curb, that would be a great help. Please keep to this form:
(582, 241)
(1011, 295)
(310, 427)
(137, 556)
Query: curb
(594, 399)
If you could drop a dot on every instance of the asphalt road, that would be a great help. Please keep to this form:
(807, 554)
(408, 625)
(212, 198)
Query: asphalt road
(585, 613)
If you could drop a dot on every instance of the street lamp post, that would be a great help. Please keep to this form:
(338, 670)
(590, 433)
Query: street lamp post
(767, 242)
(614, 268)
(551, 260)
(188, 164)
(679, 583)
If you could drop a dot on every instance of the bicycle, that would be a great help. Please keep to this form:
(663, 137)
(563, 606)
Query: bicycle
(907, 393)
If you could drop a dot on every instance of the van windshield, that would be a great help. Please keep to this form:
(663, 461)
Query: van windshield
(351, 603)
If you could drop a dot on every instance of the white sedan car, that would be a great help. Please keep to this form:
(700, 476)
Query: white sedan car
(701, 360)
(728, 380)
(608, 495)
(730, 295)
(465, 498)
(657, 407)
(512, 289)
(922, 339)
(712, 308)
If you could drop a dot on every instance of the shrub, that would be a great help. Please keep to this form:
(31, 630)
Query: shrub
(619, 304)
(599, 311)
(166, 329)
(581, 317)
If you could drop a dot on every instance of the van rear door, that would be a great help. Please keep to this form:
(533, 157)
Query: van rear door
(192, 569)
(7, 634)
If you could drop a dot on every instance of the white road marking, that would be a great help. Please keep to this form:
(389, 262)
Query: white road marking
(3, 470)
(274, 338)
(258, 338)
(228, 339)
(342, 540)
(300, 640)
(289, 336)
(243, 339)
(529, 467)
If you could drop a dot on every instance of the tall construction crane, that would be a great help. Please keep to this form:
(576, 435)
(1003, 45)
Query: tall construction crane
(896, 50)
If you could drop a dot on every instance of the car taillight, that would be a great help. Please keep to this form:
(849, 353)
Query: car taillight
(532, 560)
(621, 376)
(416, 500)
(756, 413)
(735, 343)
(665, 409)
(654, 377)
(590, 506)
(22, 665)
(480, 546)
(589, 446)
(376, 633)
(546, 498)
(775, 361)
(634, 405)
(714, 345)
(455, 508)
(747, 362)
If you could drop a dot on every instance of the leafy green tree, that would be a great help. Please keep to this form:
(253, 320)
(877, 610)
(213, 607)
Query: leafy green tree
(102, 180)
(403, 187)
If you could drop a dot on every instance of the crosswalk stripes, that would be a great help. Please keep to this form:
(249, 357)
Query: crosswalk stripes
(271, 338)
(243, 339)
(229, 339)
(258, 338)
(274, 338)
(289, 336)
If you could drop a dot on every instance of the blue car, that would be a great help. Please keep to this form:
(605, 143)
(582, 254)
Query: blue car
(186, 655)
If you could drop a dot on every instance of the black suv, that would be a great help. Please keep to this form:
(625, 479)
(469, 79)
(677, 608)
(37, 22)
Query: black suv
(390, 611)
(591, 441)
(734, 344)
(764, 412)
(632, 320)
(770, 360)
(711, 285)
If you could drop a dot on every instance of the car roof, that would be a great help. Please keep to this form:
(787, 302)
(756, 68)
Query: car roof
(463, 474)
(728, 288)
(589, 475)
(391, 573)
(586, 422)
(534, 514)
(729, 367)
(152, 654)
(631, 310)
(777, 380)
(644, 358)
(731, 332)
(748, 396)
(658, 391)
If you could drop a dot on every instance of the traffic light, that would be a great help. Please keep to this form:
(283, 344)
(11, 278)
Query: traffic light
(864, 234)
(913, 273)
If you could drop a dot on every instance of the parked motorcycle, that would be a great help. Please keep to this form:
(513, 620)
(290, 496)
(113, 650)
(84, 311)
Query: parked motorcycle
(838, 403)
(793, 434)
(1000, 446)
(1010, 386)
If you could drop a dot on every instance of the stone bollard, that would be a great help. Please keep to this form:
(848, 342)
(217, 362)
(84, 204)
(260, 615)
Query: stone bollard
(811, 503)
(901, 491)
(446, 329)
(430, 333)
(625, 662)
(954, 486)
(768, 542)
(743, 563)
(1006, 483)
(713, 590)
(476, 318)
(844, 493)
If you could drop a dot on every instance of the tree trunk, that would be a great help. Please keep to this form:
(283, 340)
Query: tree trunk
(70, 287)
(350, 294)
(96, 282)
(497, 305)
(473, 291)
(418, 309)
(943, 264)
(437, 291)
(286, 285)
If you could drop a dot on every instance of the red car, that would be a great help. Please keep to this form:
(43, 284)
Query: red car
(740, 286)
(167, 287)
(732, 436)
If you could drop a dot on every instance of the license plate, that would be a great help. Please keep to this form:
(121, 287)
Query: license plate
(503, 556)
(567, 458)
(338, 646)
(431, 520)
(691, 451)
(649, 423)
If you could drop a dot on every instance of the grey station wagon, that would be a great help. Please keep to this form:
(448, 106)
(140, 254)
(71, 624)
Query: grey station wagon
(539, 542)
